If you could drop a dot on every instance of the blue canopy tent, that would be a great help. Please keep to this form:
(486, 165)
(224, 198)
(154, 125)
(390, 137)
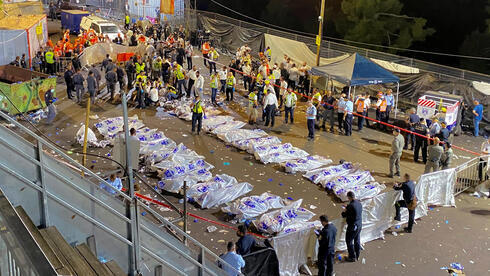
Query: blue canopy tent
(356, 70)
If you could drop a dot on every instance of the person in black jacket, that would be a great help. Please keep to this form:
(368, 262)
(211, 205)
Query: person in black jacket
(131, 72)
(76, 63)
(408, 188)
(111, 80)
(78, 84)
(69, 82)
(326, 250)
(353, 215)
(91, 86)
(246, 243)
(120, 77)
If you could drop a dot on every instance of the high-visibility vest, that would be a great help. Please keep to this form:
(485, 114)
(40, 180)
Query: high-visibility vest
(49, 57)
(205, 48)
(171, 89)
(317, 98)
(178, 72)
(139, 67)
(259, 76)
(230, 81)
(360, 105)
(268, 53)
(127, 19)
(141, 79)
(251, 98)
(214, 82)
(197, 107)
(382, 106)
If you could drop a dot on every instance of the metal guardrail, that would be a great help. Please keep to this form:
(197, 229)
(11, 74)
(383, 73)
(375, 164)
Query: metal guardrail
(149, 239)
(332, 49)
(471, 174)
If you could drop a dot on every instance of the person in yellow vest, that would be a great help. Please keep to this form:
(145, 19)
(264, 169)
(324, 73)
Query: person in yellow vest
(126, 22)
(197, 113)
(141, 79)
(180, 77)
(361, 109)
(49, 57)
(268, 53)
(252, 107)
(214, 87)
(213, 57)
(140, 66)
(171, 93)
(381, 105)
(230, 86)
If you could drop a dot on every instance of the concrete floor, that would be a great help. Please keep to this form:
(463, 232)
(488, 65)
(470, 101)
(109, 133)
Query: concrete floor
(446, 235)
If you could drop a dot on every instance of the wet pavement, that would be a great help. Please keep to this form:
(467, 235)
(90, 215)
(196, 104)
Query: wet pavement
(446, 235)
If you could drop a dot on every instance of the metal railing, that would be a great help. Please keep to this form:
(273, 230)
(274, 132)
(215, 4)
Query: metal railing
(53, 179)
(333, 49)
(471, 174)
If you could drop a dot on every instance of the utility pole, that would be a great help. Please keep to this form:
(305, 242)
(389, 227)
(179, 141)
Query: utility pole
(320, 33)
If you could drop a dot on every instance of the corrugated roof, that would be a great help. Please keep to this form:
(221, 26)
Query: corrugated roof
(20, 22)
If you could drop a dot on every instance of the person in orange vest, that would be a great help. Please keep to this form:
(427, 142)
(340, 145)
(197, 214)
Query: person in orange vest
(66, 35)
(205, 51)
(50, 43)
(381, 105)
(361, 109)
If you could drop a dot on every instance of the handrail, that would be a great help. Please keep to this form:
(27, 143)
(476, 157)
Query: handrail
(465, 164)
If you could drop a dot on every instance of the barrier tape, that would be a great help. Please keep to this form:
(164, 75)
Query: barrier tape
(353, 113)
(192, 215)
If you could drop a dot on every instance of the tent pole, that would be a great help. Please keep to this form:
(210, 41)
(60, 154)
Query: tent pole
(348, 95)
(397, 92)
(354, 93)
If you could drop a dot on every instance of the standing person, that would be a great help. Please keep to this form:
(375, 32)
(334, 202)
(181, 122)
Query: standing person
(199, 85)
(246, 242)
(349, 107)
(131, 72)
(413, 120)
(435, 128)
(328, 113)
(340, 112)
(293, 76)
(192, 79)
(49, 101)
(230, 86)
(111, 80)
(477, 116)
(283, 88)
(23, 62)
(421, 140)
(485, 150)
(381, 106)
(409, 201)
(222, 74)
(78, 84)
(49, 57)
(361, 109)
(390, 103)
(233, 259)
(188, 54)
(97, 75)
(197, 113)
(396, 152)
(214, 87)
(270, 103)
(213, 57)
(120, 77)
(77, 65)
(434, 158)
(126, 22)
(36, 62)
(205, 48)
(91, 86)
(180, 76)
(444, 133)
(247, 80)
(290, 100)
(52, 11)
(252, 108)
(310, 120)
(326, 249)
(447, 156)
(68, 76)
(353, 215)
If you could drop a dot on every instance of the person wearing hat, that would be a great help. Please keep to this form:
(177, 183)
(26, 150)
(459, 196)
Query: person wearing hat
(434, 159)
(396, 152)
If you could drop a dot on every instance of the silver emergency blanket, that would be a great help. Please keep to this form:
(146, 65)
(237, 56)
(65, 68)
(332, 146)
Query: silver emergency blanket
(280, 157)
(162, 144)
(228, 126)
(173, 183)
(261, 151)
(249, 144)
(322, 175)
(109, 128)
(183, 110)
(360, 182)
(276, 221)
(306, 164)
(219, 180)
(295, 227)
(163, 153)
(223, 194)
(212, 122)
(240, 134)
(252, 206)
(91, 138)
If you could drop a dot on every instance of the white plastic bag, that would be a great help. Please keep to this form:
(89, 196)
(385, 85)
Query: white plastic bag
(306, 164)
(224, 194)
(252, 206)
(276, 221)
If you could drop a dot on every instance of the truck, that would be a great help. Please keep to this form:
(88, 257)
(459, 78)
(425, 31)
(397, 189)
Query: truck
(100, 26)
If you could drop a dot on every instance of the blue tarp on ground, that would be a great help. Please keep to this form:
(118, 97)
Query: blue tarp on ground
(356, 70)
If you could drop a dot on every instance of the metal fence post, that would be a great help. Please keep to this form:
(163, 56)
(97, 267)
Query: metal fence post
(201, 261)
(44, 198)
(185, 211)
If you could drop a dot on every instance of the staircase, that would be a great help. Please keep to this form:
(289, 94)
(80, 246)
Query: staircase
(67, 214)
(65, 259)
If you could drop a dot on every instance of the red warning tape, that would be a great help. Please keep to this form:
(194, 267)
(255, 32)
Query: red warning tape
(353, 113)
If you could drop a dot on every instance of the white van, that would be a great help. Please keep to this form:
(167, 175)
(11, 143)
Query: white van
(100, 26)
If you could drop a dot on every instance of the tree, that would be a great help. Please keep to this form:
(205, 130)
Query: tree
(292, 14)
(477, 44)
(380, 22)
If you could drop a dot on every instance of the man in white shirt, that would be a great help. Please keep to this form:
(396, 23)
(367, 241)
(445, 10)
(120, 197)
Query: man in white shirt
(340, 112)
(222, 79)
(282, 91)
(154, 95)
(270, 104)
(483, 166)
(263, 70)
(188, 53)
(199, 86)
(293, 76)
(192, 79)
(247, 80)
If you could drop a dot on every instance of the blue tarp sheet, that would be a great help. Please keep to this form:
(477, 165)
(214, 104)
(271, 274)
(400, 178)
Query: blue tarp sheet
(356, 70)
